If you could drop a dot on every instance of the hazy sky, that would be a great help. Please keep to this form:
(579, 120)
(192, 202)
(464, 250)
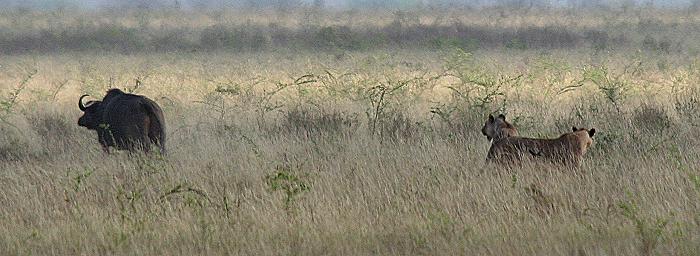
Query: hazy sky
(329, 3)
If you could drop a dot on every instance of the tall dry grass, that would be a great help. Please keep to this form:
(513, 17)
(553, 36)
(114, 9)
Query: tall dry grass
(313, 168)
(353, 152)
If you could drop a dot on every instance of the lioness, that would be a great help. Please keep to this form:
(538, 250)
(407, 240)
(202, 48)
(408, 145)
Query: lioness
(497, 128)
(567, 150)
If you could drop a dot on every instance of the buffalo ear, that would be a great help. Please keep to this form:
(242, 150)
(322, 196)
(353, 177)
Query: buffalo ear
(574, 128)
(591, 132)
(491, 118)
(502, 117)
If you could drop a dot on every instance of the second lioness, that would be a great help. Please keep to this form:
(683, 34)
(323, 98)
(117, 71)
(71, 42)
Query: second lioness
(568, 149)
(497, 128)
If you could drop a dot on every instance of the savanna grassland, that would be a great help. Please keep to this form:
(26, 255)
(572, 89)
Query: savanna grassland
(352, 132)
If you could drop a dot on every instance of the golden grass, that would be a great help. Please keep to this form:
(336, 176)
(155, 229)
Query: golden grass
(290, 152)
(421, 188)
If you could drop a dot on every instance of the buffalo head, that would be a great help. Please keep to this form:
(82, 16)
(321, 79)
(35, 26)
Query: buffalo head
(92, 113)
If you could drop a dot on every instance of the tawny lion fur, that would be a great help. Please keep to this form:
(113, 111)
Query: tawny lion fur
(497, 128)
(567, 150)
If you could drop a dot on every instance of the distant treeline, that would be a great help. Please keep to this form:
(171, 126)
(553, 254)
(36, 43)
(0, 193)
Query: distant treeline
(215, 4)
(113, 37)
(139, 34)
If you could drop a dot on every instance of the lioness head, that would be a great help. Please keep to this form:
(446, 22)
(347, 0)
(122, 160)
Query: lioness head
(497, 128)
(584, 136)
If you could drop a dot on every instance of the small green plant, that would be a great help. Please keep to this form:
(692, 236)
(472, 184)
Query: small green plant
(227, 90)
(650, 232)
(651, 119)
(385, 100)
(137, 84)
(337, 85)
(479, 87)
(152, 164)
(682, 165)
(58, 85)
(127, 201)
(444, 112)
(377, 97)
(131, 219)
(79, 179)
(544, 203)
(75, 184)
(188, 190)
(7, 105)
(283, 179)
(688, 107)
(613, 86)
(553, 74)
(253, 93)
(441, 221)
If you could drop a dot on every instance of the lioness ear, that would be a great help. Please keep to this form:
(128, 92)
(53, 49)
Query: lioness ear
(490, 118)
(574, 128)
(502, 117)
(591, 132)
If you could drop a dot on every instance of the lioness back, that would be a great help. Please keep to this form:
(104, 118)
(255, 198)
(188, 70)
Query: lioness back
(568, 149)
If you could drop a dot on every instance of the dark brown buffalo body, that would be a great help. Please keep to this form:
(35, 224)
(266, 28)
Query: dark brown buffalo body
(125, 121)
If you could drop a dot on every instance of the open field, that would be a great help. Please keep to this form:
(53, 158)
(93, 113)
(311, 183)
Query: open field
(375, 150)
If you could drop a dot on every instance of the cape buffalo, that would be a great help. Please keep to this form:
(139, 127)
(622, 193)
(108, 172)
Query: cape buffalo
(125, 121)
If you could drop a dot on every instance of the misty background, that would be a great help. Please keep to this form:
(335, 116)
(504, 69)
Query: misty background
(136, 26)
(342, 4)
